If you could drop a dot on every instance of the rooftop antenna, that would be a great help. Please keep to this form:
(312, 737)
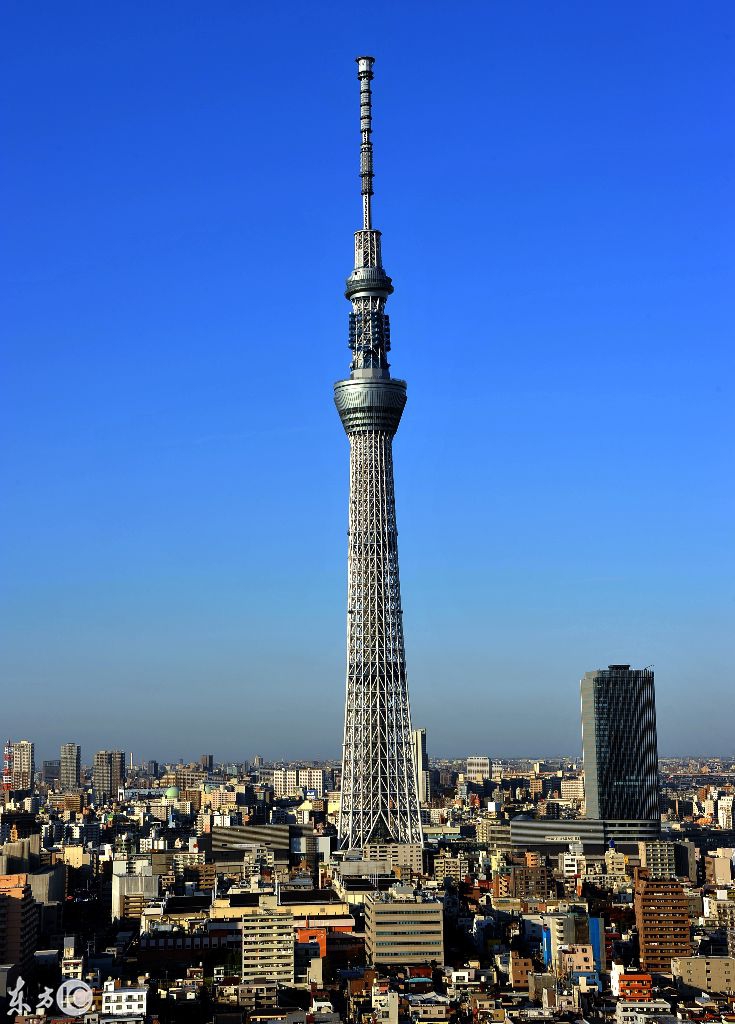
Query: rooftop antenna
(365, 74)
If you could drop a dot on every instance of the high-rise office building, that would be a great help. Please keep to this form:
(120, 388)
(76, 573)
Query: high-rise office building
(108, 774)
(23, 765)
(421, 761)
(71, 766)
(619, 744)
(379, 802)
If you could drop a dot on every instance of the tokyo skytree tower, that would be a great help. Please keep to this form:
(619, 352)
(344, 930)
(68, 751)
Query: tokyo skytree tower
(379, 797)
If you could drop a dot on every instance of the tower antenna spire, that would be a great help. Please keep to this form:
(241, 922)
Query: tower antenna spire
(365, 74)
(379, 802)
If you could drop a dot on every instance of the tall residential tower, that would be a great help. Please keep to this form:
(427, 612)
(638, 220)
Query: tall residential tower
(379, 798)
(71, 765)
(24, 765)
(108, 775)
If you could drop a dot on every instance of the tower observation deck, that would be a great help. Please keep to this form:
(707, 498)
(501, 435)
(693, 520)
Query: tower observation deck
(379, 800)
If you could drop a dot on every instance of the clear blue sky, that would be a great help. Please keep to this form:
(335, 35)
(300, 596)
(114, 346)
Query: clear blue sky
(555, 188)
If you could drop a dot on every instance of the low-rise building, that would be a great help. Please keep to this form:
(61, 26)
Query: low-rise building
(520, 969)
(409, 855)
(708, 973)
(635, 987)
(628, 1012)
(575, 959)
(119, 1001)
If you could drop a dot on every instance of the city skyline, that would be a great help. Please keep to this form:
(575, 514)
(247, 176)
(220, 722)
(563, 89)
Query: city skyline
(136, 758)
(153, 549)
(162, 753)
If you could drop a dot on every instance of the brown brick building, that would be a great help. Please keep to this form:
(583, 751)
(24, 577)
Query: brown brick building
(662, 918)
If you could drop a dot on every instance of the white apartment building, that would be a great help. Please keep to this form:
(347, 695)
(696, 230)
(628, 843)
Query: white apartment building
(724, 811)
(123, 1002)
(316, 780)
(268, 947)
(24, 764)
(629, 1013)
(291, 781)
(285, 782)
(572, 864)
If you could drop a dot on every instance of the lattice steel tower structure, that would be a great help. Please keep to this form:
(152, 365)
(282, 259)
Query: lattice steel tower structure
(379, 798)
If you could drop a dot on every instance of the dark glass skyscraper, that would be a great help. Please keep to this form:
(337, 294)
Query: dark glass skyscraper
(619, 744)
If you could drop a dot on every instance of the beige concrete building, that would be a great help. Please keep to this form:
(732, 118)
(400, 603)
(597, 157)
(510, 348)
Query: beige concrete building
(718, 870)
(408, 855)
(616, 864)
(521, 968)
(292, 781)
(401, 928)
(478, 769)
(573, 789)
(285, 782)
(132, 889)
(708, 973)
(446, 866)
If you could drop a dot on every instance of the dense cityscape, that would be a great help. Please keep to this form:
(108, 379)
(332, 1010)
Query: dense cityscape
(207, 891)
(389, 886)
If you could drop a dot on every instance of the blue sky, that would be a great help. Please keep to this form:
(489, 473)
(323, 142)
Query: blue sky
(554, 183)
